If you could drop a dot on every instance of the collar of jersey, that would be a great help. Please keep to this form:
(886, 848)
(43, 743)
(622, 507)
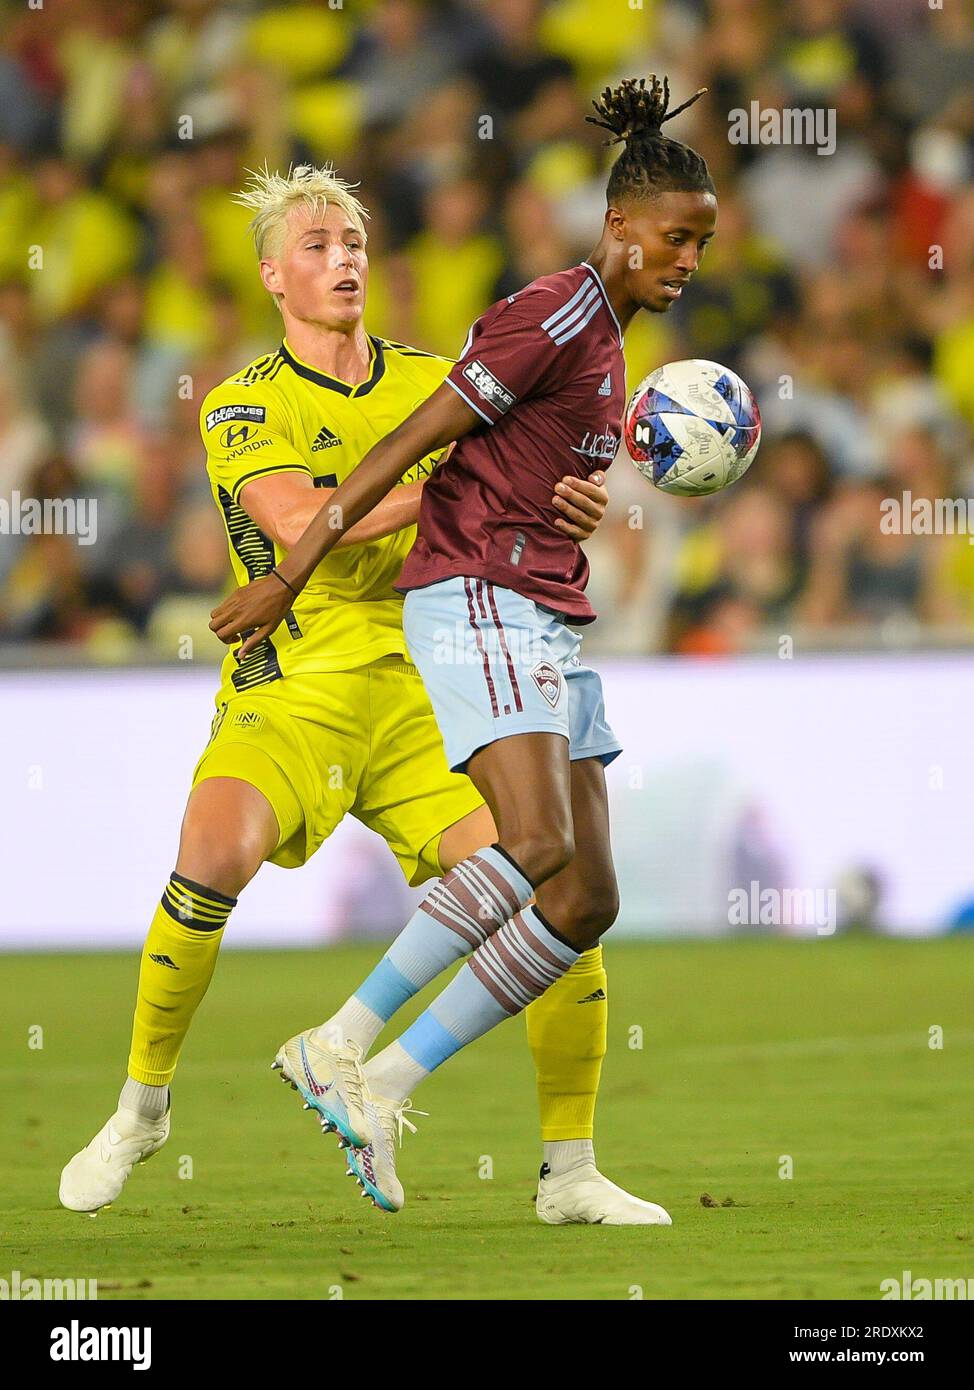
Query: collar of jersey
(587, 265)
(334, 383)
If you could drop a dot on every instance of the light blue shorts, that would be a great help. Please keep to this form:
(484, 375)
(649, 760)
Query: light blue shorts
(495, 664)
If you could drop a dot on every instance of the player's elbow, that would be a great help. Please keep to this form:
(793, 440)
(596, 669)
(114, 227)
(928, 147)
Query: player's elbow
(287, 529)
(279, 524)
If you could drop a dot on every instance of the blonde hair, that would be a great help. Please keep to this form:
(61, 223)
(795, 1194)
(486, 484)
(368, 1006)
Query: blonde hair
(270, 197)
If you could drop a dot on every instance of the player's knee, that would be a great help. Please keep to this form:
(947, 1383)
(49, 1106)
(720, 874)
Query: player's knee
(222, 857)
(227, 868)
(543, 853)
(590, 913)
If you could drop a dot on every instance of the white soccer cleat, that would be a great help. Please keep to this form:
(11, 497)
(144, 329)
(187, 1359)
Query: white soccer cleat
(585, 1196)
(374, 1167)
(330, 1078)
(96, 1175)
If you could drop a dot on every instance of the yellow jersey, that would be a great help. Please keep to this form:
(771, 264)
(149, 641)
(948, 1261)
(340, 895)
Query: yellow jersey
(280, 414)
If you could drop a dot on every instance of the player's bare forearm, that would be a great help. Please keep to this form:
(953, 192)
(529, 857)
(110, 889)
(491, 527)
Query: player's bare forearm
(283, 504)
(434, 424)
(397, 510)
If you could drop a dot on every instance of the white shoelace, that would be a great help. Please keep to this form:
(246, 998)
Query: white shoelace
(348, 1062)
(393, 1119)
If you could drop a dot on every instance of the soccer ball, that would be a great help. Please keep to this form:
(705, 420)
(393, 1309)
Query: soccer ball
(692, 427)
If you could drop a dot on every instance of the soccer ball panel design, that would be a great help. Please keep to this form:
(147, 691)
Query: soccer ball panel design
(692, 427)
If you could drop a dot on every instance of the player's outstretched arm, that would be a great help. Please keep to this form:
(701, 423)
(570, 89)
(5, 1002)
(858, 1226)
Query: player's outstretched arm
(259, 607)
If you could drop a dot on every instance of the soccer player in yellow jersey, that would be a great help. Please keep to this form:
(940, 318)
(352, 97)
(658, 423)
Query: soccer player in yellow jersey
(328, 716)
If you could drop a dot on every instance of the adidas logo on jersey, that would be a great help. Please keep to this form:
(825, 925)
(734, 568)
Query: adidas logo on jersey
(606, 388)
(324, 440)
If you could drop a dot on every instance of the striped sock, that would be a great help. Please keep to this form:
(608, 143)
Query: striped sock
(457, 915)
(504, 974)
(178, 960)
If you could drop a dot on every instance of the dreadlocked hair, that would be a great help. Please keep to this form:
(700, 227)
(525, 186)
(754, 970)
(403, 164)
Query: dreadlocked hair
(651, 163)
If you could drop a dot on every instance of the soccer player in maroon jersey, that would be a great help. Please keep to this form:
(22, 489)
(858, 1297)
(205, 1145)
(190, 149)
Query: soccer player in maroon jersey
(491, 587)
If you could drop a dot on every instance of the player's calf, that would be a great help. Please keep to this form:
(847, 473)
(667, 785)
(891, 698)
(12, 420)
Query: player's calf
(459, 912)
(508, 970)
(228, 830)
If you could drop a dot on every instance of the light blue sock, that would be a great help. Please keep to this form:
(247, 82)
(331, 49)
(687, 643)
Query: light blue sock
(509, 970)
(457, 915)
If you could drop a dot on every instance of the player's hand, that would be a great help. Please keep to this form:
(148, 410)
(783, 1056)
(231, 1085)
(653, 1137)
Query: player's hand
(251, 613)
(581, 503)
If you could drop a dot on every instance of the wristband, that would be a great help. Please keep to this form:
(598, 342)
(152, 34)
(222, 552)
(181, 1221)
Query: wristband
(277, 575)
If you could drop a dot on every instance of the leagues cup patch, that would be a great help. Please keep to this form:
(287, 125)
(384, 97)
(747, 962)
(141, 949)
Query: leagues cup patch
(548, 681)
(256, 414)
(488, 388)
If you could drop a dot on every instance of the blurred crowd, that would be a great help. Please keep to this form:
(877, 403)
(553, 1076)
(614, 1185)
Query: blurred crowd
(840, 286)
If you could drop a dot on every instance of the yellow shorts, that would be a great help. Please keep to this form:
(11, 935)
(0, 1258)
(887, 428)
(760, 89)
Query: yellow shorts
(362, 742)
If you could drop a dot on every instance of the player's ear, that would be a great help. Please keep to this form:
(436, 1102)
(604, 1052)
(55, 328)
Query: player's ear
(270, 277)
(616, 223)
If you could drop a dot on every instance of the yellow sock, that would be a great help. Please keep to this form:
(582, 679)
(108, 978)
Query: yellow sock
(566, 1032)
(178, 960)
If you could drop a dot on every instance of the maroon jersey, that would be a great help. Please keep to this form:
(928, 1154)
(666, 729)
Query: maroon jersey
(544, 370)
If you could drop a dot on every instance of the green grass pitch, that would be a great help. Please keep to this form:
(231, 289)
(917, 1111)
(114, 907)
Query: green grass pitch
(751, 1050)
